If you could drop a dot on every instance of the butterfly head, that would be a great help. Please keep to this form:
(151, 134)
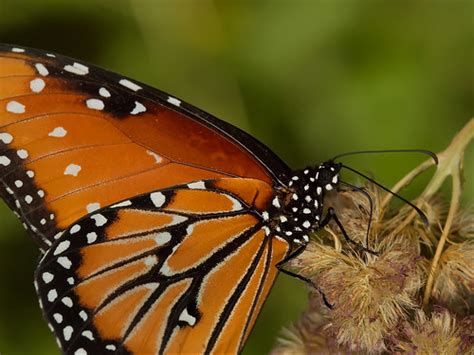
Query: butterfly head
(296, 211)
(327, 175)
(314, 181)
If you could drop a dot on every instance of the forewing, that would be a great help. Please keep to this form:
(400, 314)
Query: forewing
(75, 138)
(183, 269)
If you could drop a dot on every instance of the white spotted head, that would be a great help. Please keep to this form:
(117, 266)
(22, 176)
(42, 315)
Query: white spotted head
(327, 175)
(300, 206)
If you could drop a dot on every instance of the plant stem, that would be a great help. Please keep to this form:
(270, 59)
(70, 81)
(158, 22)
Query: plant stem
(450, 164)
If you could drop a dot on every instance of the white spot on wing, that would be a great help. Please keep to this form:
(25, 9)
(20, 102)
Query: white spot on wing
(162, 238)
(186, 317)
(75, 228)
(88, 334)
(178, 219)
(151, 260)
(58, 318)
(276, 202)
(4, 160)
(15, 107)
(22, 153)
(157, 198)
(165, 270)
(236, 205)
(47, 277)
(94, 206)
(58, 132)
(18, 50)
(72, 169)
(77, 68)
(158, 159)
(52, 295)
(122, 204)
(83, 315)
(41, 69)
(80, 351)
(67, 301)
(37, 85)
(190, 229)
(64, 245)
(6, 138)
(174, 101)
(99, 219)
(198, 185)
(95, 104)
(104, 92)
(152, 285)
(58, 235)
(129, 85)
(64, 262)
(67, 332)
(139, 108)
(91, 237)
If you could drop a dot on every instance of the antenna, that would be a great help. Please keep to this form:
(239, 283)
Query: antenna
(420, 212)
(422, 151)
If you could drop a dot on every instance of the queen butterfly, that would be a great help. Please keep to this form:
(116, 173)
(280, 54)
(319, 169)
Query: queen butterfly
(161, 227)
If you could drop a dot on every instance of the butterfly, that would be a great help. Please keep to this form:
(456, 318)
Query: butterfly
(161, 228)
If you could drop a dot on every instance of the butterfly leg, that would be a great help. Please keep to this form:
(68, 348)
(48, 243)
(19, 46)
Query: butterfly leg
(371, 206)
(331, 214)
(293, 255)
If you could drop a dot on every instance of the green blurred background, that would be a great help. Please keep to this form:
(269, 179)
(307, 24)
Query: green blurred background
(309, 78)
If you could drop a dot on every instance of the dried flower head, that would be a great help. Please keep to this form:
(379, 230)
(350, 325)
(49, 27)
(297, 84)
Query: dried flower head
(306, 337)
(454, 284)
(377, 297)
(441, 333)
(370, 294)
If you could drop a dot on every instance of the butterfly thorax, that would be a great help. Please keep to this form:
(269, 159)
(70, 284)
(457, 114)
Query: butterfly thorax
(297, 209)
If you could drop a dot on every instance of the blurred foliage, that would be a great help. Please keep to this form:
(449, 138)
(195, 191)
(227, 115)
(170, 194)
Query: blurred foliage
(309, 78)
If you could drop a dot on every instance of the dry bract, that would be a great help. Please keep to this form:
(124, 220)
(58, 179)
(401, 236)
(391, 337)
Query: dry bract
(441, 333)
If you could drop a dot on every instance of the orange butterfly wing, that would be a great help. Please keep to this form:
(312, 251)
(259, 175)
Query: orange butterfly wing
(156, 274)
(75, 138)
(170, 268)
